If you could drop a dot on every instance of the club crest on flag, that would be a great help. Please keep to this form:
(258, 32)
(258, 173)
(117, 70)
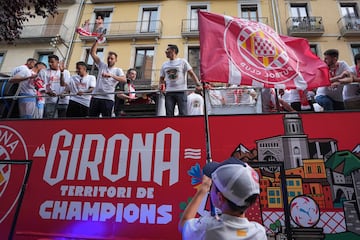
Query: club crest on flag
(265, 56)
(242, 52)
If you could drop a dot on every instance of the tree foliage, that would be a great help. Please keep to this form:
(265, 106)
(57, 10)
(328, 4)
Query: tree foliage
(13, 14)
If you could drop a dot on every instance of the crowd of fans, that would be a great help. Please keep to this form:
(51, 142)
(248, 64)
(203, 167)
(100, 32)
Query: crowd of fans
(52, 92)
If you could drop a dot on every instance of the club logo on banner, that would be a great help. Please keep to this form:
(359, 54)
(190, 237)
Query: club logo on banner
(266, 59)
(11, 143)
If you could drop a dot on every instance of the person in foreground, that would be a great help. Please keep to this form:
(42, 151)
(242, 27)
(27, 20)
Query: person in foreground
(234, 187)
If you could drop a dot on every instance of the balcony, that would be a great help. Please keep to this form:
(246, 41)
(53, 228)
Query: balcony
(130, 30)
(42, 33)
(190, 28)
(305, 26)
(349, 27)
(115, 1)
(68, 1)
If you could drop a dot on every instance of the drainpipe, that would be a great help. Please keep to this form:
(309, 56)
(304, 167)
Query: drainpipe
(81, 7)
(276, 17)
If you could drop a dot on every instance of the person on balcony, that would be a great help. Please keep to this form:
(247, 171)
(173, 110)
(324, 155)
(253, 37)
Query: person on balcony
(173, 76)
(99, 25)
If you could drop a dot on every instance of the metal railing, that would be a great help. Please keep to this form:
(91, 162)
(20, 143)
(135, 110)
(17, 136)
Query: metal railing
(44, 31)
(305, 25)
(190, 27)
(129, 29)
(349, 26)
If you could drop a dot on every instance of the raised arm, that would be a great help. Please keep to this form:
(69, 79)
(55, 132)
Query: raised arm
(93, 53)
(192, 208)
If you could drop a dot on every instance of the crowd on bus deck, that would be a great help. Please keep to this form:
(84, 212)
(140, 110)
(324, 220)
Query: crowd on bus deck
(51, 92)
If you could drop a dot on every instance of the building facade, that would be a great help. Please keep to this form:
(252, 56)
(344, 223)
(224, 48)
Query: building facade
(139, 31)
(43, 36)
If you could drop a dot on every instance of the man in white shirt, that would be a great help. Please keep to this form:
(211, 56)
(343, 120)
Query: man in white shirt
(55, 104)
(109, 75)
(331, 98)
(79, 86)
(27, 105)
(173, 75)
(195, 103)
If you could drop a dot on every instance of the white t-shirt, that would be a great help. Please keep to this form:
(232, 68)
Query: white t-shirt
(227, 227)
(291, 95)
(81, 84)
(51, 80)
(175, 73)
(106, 86)
(215, 97)
(246, 96)
(195, 104)
(27, 86)
(335, 93)
(352, 91)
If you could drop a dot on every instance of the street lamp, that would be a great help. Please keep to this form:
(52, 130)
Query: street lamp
(55, 41)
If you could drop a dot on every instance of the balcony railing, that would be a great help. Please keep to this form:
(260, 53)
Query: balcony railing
(130, 30)
(115, 1)
(43, 33)
(305, 26)
(190, 28)
(349, 27)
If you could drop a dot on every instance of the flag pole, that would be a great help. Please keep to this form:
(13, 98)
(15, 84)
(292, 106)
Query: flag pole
(208, 145)
(207, 131)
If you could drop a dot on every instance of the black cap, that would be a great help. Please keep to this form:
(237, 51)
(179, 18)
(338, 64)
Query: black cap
(210, 167)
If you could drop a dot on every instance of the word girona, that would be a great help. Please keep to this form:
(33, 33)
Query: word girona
(79, 156)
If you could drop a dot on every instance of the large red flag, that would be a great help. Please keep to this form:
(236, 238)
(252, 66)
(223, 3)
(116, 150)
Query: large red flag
(242, 52)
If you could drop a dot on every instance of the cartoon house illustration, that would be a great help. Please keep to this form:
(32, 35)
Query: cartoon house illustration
(313, 167)
(344, 177)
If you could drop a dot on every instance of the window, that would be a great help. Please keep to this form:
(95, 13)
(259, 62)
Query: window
(92, 69)
(105, 13)
(2, 56)
(349, 10)
(249, 12)
(299, 10)
(299, 15)
(319, 169)
(44, 57)
(314, 49)
(194, 16)
(194, 61)
(355, 48)
(143, 64)
(309, 169)
(149, 20)
(296, 150)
